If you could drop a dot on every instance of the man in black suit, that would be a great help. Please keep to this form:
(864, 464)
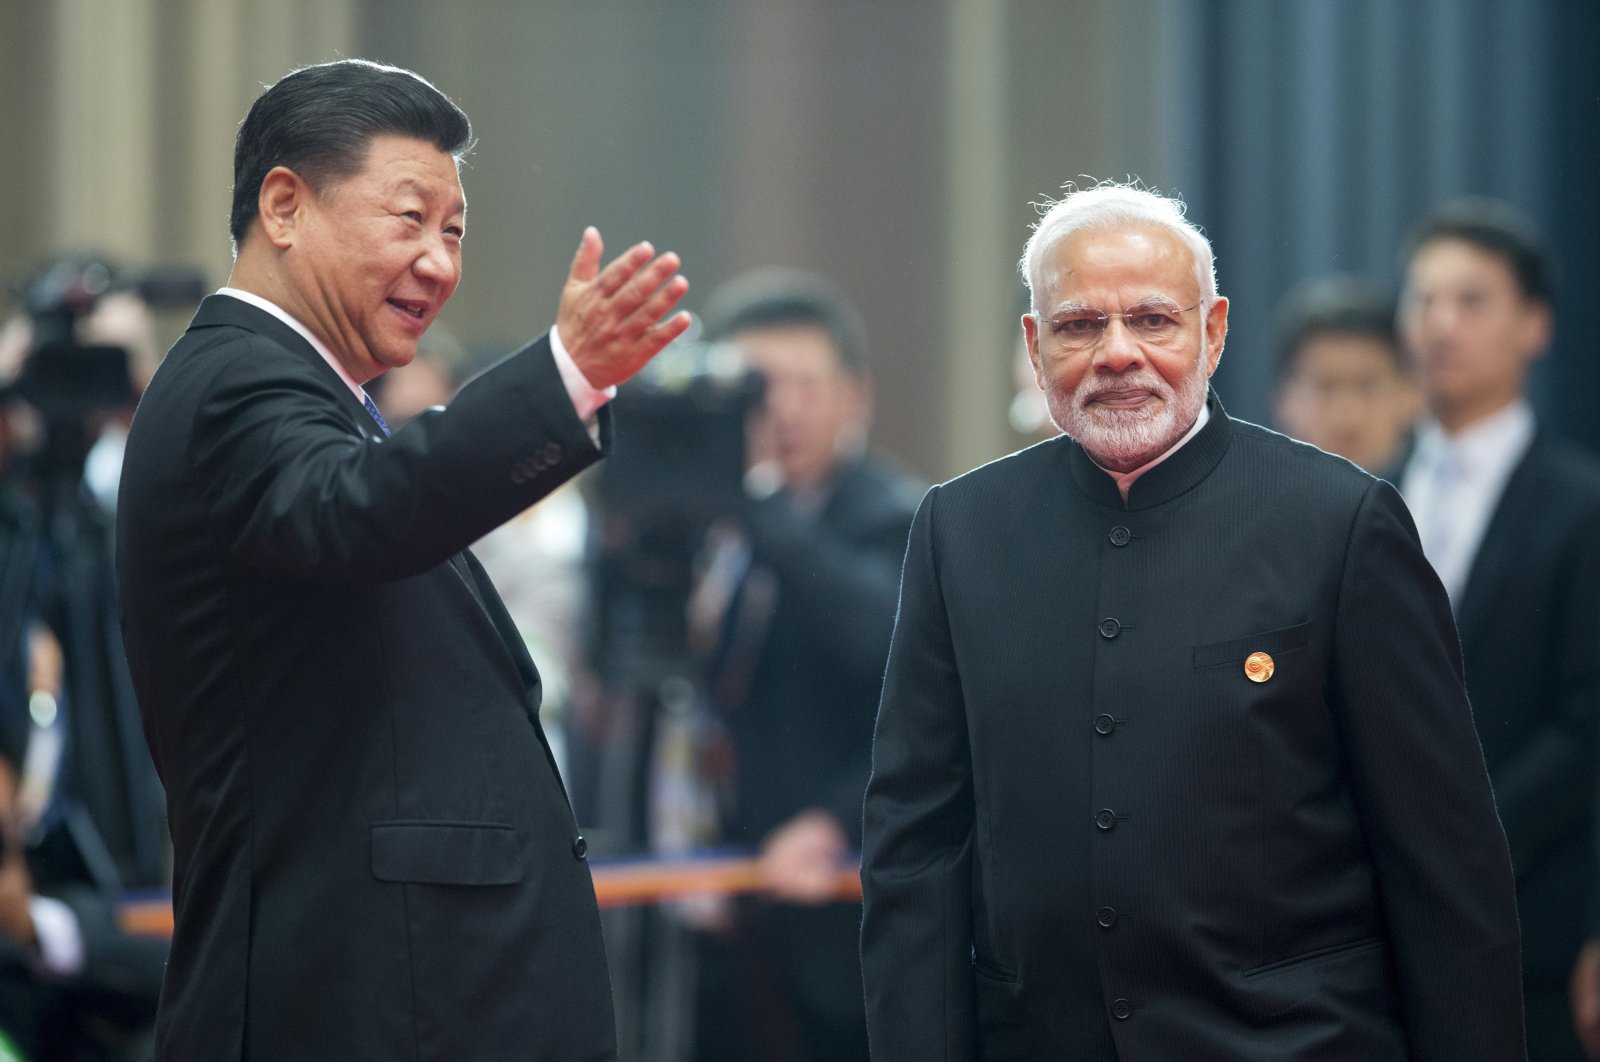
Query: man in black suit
(796, 675)
(1174, 759)
(374, 855)
(1511, 520)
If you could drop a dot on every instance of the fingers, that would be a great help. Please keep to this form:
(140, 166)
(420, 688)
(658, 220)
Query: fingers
(586, 260)
(614, 319)
(625, 267)
(640, 282)
(665, 332)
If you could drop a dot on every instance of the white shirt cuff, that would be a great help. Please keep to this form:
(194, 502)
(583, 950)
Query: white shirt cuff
(586, 398)
(60, 939)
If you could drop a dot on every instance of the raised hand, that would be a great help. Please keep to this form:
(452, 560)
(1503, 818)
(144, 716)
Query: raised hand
(614, 320)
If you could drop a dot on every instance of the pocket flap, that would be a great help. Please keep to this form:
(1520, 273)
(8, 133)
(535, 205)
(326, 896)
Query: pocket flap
(1281, 640)
(446, 853)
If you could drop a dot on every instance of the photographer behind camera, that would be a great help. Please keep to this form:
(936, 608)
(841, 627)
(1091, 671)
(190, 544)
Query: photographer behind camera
(72, 363)
(802, 632)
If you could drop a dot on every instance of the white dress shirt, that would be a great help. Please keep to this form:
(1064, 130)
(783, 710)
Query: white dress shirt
(1453, 484)
(586, 398)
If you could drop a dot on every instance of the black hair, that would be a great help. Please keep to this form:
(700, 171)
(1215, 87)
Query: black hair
(780, 298)
(319, 122)
(1332, 306)
(1497, 228)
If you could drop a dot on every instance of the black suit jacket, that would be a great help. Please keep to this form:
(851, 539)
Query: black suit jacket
(1529, 617)
(801, 718)
(1086, 823)
(374, 856)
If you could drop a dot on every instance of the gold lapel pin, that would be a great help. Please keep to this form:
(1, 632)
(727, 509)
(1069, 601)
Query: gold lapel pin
(1258, 667)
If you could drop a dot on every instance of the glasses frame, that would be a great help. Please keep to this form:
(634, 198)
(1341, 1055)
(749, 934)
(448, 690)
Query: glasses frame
(1105, 322)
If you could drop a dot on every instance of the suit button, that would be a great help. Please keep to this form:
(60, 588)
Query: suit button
(1120, 536)
(1110, 628)
(1105, 818)
(1121, 1009)
(1107, 917)
(552, 453)
(580, 848)
(1104, 724)
(518, 477)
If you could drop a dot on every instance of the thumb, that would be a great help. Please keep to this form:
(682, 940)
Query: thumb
(586, 261)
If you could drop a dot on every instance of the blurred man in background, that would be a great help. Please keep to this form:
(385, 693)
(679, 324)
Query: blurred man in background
(73, 362)
(1511, 521)
(1341, 382)
(73, 986)
(802, 634)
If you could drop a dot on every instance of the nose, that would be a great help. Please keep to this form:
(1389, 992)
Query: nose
(1117, 350)
(440, 263)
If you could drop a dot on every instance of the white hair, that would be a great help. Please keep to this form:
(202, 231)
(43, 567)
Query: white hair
(1110, 205)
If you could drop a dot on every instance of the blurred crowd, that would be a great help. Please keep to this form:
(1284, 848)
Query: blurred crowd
(711, 617)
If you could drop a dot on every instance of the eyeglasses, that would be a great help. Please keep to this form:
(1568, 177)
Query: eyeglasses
(1081, 329)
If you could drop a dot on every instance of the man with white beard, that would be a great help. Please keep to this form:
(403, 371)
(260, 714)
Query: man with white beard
(1173, 759)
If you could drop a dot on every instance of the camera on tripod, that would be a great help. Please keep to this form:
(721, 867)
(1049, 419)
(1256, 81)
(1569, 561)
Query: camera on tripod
(677, 468)
(71, 382)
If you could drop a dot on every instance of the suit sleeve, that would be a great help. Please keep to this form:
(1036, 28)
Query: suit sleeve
(1423, 796)
(845, 586)
(916, 937)
(1542, 789)
(296, 493)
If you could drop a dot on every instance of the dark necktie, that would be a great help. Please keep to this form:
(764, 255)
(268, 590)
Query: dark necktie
(372, 408)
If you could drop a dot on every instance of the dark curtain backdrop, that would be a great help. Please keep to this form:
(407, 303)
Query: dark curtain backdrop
(1307, 137)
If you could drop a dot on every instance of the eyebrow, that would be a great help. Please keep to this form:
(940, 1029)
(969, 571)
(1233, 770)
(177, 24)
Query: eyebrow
(415, 187)
(1151, 300)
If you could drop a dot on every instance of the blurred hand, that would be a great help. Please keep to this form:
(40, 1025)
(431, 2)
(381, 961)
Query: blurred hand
(16, 885)
(1585, 991)
(614, 320)
(800, 860)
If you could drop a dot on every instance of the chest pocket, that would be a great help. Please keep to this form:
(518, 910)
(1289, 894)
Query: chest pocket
(1237, 650)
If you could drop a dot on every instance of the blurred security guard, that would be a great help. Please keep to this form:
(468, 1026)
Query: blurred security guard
(1511, 520)
(797, 674)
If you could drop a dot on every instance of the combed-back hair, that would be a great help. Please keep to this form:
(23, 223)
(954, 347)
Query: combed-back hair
(1498, 228)
(778, 298)
(1110, 205)
(319, 121)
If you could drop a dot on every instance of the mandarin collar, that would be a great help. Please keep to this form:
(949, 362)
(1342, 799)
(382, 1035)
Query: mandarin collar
(1183, 469)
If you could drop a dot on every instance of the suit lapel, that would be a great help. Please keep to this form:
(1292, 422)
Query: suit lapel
(224, 311)
(483, 590)
(1498, 553)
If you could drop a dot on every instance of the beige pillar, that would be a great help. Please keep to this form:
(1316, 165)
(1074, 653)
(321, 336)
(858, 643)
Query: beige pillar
(979, 282)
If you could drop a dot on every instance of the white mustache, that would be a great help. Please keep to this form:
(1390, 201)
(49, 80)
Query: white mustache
(1152, 385)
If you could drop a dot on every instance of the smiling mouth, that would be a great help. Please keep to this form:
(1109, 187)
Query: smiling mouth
(410, 309)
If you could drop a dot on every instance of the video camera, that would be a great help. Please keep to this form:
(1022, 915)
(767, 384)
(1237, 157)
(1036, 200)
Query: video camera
(678, 467)
(68, 381)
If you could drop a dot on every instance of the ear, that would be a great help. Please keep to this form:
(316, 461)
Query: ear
(864, 395)
(280, 205)
(1536, 329)
(1030, 335)
(1216, 326)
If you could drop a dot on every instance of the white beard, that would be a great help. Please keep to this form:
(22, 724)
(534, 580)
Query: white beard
(1124, 439)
